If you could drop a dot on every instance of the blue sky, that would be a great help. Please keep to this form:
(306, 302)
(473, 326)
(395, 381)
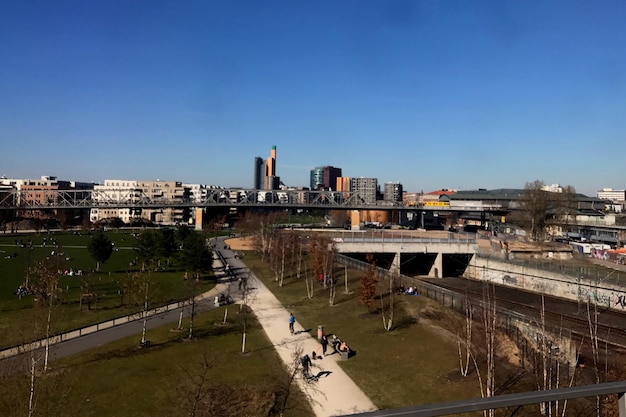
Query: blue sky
(432, 94)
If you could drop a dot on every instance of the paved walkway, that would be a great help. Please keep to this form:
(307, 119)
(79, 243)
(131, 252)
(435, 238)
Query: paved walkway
(334, 393)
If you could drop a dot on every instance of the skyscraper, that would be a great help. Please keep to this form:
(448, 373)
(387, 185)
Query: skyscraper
(259, 172)
(325, 178)
(270, 180)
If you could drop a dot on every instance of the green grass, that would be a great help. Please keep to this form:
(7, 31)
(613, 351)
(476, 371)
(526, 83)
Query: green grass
(15, 313)
(413, 364)
(121, 379)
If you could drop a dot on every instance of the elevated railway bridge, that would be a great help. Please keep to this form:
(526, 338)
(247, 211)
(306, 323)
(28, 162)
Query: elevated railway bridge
(11, 199)
(443, 255)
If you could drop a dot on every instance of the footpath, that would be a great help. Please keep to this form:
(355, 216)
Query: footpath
(334, 393)
(84, 338)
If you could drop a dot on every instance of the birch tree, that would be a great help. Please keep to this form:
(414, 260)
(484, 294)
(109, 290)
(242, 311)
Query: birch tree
(247, 297)
(45, 286)
(388, 319)
(488, 386)
(465, 344)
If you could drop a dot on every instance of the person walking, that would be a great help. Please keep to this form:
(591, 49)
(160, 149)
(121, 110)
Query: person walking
(324, 343)
(292, 320)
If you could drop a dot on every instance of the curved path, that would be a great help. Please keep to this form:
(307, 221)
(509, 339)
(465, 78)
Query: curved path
(335, 393)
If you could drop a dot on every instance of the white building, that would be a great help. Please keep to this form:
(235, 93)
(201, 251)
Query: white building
(115, 191)
(612, 195)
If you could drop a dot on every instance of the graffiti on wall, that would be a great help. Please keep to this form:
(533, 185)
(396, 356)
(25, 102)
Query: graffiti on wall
(620, 300)
(594, 295)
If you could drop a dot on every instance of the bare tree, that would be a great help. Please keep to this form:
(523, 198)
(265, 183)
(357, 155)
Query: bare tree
(367, 297)
(388, 321)
(45, 285)
(199, 379)
(488, 385)
(265, 235)
(592, 319)
(292, 372)
(322, 254)
(466, 343)
(308, 282)
(247, 297)
(540, 209)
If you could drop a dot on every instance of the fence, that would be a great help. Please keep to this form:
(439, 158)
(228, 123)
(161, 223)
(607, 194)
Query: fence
(399, 237)
(520, 328)
(73, 334)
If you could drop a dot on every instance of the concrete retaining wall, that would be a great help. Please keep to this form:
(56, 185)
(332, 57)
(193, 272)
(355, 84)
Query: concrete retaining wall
(606, 295)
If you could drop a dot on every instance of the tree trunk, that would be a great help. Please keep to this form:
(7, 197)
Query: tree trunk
(145, 317)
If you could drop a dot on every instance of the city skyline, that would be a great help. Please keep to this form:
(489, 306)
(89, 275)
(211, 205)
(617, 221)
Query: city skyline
(428, 94)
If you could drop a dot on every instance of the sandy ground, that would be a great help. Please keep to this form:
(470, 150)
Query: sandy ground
(240, 243)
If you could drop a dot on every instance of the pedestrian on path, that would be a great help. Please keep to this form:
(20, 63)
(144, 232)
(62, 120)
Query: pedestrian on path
(324, 342)
(292, 320)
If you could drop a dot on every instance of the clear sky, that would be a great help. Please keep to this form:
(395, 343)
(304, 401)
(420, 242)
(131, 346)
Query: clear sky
(430, 93)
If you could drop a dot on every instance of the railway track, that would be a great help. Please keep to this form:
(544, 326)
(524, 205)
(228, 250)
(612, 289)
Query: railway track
(608, 325)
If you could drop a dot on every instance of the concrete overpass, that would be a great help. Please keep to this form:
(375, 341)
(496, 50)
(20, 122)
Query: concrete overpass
(444, 254)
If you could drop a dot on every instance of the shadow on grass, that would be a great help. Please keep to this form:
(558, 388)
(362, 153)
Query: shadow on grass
(405, 322)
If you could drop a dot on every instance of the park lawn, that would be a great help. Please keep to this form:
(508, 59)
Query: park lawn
(120, 379)
(17, 314)
(415, 363)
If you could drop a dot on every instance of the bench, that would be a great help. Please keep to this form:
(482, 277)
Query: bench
(347, 354)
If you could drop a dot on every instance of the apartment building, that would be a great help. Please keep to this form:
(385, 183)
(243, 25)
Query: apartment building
(366, 188)
(37, 192)
(134, 191)
(393, 192)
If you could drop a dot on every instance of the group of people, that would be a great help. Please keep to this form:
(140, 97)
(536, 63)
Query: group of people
(222, 299)
(408, 290)
(337, 344)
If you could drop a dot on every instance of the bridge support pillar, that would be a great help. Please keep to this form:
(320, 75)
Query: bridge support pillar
(437, 268)
(395, 264)
(199, 213)
(355, 220)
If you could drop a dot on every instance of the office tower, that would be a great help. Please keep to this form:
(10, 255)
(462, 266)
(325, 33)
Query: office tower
(270, 180)
(259, 172)
(324, 178)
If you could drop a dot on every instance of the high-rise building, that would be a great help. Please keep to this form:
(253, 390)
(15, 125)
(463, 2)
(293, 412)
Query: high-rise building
(271, 181)
(259, 172)
(324, 178)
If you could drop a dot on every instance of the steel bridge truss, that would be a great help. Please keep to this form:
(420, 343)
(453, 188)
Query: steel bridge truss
(137, 198)
(219, 197)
